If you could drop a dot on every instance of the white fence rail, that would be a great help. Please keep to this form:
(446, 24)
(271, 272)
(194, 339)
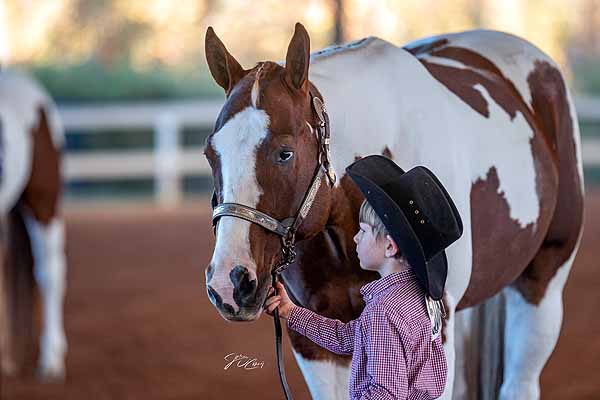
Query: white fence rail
(169, 161)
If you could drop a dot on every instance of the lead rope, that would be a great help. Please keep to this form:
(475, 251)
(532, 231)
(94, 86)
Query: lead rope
(289, 254)
(278, 335)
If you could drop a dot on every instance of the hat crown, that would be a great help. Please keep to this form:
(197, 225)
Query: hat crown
(425, 207)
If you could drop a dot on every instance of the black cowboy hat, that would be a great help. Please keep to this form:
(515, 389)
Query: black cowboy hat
(416, 210)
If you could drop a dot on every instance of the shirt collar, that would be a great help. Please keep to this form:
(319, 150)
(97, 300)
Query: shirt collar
(377, 286)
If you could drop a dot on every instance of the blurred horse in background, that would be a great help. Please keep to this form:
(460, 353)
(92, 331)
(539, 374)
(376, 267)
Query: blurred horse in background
(32, 240)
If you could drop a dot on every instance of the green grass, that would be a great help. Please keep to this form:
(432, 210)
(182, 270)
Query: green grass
(589, 129)
(591, 176)
(586, 76)
(94, 82)
(138, 188)
(130, 139)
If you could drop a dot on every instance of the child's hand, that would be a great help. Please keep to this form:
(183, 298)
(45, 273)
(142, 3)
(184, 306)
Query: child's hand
(280, 301)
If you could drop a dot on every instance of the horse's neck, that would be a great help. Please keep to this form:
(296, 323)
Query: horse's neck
(328, 257)
(368, 115)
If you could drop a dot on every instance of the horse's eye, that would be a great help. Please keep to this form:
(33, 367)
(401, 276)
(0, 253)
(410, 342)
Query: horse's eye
(285, 155)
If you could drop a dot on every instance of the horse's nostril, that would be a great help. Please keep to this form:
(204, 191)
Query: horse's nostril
(214, 296)
(237, 274)
(244, 283)
(218, 301)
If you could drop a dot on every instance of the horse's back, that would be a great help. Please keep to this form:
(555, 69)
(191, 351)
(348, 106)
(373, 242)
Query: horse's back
(514, 57)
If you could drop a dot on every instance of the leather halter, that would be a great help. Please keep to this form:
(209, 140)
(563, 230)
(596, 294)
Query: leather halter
(286, 229)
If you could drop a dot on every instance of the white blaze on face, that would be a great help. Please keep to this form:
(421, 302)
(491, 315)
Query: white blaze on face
(236, 144)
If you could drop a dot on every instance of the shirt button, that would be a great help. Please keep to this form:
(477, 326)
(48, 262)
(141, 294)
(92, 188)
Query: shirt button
(370, 296)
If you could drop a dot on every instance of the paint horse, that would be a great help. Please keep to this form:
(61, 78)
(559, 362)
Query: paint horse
(487, 112)
(32, 229)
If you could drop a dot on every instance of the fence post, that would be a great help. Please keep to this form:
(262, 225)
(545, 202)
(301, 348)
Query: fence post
(167, 179)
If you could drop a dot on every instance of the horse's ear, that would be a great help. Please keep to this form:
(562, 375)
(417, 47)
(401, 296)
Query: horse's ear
(224, 68)
(298, 58)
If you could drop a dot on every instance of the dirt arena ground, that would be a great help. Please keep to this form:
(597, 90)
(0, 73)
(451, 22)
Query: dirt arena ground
(140, 325)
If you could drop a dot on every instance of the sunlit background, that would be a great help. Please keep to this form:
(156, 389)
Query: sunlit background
(137, 100)
(153, 36)
(89, 52)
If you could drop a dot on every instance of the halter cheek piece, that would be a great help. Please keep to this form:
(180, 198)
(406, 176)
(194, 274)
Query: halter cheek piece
(286, 229)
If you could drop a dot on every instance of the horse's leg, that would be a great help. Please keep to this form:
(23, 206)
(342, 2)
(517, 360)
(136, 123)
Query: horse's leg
(326, 374)
(7, 364)
(534, 304)
(47, 243)
(532, 330)
(19, 287)
(46, 231)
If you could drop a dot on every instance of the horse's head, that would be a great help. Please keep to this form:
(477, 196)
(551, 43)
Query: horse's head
(263, 153)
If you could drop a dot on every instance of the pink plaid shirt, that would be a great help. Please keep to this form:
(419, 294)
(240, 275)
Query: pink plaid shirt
(393, 356)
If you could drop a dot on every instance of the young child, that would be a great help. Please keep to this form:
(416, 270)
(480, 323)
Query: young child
(406, 222)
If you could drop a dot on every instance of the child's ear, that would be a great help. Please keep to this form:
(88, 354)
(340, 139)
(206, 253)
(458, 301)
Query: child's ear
(391, 247)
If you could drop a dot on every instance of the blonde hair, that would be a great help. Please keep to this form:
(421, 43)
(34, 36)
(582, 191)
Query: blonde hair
(368, 216)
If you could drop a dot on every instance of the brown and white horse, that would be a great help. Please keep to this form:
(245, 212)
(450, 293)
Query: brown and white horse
(33, 231)
(487, 112)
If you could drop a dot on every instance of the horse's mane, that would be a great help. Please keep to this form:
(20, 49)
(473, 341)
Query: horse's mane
(337, 49)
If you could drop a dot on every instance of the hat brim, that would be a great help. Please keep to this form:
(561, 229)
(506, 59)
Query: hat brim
(448, 199)
(437, 271)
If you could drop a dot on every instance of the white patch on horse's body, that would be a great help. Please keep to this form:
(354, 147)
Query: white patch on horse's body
(236, 144)
(20, 100)
(47, 246)
(514, 143)
(25, 96)
(325, 379)
(395, 112)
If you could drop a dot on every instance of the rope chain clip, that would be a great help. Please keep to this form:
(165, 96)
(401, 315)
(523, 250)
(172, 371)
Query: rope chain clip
(288, 251)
